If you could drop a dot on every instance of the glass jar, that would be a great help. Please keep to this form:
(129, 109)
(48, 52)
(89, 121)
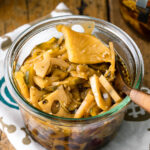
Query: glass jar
(64, 133)
(137, 14)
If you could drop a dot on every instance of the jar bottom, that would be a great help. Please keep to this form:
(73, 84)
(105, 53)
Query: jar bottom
(92, 144)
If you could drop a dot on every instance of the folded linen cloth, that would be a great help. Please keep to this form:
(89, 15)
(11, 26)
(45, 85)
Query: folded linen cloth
(133, 134)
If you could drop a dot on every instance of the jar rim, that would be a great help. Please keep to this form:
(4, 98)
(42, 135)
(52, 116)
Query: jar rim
(25, 104)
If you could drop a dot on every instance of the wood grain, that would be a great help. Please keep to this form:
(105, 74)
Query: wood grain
(94, 8)
(141, 99)
(38, 8)
(14, 13)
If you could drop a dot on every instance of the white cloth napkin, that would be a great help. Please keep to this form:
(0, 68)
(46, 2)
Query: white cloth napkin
(134, 133)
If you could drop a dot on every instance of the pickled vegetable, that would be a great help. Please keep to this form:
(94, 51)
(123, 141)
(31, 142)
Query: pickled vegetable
(71, 76)
(84, 48)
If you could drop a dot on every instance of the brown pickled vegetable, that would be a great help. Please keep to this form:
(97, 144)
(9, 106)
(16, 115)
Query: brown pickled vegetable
(71, 76)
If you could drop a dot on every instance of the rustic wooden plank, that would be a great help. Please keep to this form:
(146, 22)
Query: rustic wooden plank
(144, 45)
(95, 8)
(82, 7)
(41, 8)
(2, 24)
(12, 14)
(21, 12)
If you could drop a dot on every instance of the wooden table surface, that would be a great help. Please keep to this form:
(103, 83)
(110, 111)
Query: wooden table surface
(14, 13)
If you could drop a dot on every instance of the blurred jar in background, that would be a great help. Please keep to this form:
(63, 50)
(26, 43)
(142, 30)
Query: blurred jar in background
(137, 14)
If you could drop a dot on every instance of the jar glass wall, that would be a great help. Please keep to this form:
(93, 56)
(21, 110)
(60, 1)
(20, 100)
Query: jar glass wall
(56, 132)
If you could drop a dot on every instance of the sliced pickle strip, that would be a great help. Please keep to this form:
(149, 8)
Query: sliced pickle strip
(96, 89)
(108, 87)
(84, 105)
(44, 82)
(19, 77)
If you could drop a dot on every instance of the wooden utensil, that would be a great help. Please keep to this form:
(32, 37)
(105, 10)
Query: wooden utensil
(140, 98)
